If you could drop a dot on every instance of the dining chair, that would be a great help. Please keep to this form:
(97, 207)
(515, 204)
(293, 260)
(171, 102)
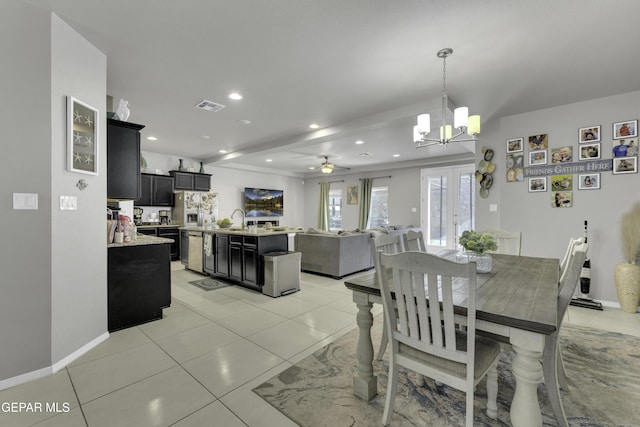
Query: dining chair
(552, 364)
(414, 241)
(387, 244)
(567, 255)
(508, 241)
(444, 353)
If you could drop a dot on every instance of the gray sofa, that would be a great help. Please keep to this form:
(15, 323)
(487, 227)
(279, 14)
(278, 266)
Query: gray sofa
(334, 255)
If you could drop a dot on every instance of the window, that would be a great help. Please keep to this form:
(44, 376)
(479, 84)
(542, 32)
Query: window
(335, 209)
(378, 212)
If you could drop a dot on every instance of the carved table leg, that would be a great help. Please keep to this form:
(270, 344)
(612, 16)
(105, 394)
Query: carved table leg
(365, 384)
(527, 369)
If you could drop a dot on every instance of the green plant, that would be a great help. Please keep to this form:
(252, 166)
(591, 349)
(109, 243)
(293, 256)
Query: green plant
(478, 242)
(630, 228)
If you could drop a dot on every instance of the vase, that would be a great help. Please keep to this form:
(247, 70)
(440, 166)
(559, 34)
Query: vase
(180, 166)
(627, 279)
(201, 168)
(484, 262)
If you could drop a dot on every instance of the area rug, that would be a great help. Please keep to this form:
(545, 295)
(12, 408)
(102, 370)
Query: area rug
(603, 370)
(209, 284)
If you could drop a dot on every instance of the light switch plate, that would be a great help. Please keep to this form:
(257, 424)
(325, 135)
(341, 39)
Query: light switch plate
(24, 201)
(493, 207)
(68, 203)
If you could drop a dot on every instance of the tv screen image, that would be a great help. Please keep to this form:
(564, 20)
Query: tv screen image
(261, 202)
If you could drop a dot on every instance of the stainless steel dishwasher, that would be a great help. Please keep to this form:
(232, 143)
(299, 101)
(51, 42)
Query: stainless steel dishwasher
(195, 251)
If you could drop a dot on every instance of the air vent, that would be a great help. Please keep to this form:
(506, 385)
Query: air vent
(209, 105)
(365, 154)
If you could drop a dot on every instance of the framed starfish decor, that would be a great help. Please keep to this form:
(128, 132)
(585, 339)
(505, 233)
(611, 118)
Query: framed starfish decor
(82, 137)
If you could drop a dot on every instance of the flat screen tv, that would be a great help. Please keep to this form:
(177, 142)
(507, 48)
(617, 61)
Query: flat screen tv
(259, 202)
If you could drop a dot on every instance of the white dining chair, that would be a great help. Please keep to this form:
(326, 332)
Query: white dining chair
(413, 241)
(509, 242)
(387, 244)
(446, 354)
(567, 255)
(552, 363)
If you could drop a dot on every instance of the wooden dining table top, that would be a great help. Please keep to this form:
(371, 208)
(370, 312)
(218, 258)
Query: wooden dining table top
(519, 292)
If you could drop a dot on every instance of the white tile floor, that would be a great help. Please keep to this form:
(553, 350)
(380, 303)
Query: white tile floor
(198, 365)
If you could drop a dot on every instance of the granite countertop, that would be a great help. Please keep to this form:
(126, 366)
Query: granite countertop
(142, 239)
(158, 225)
(245, 232)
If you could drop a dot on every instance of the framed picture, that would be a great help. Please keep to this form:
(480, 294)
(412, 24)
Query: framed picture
(589, 181)
(352, 194)
(539, 142)
(625, 165)
(628, 129)
(562, 155)
(82, 137)
(537, 184)
(562, 199)
(589, 151)
(515, 145)
(562, 182)
(538, 157)
(589, 134)
(627, 147)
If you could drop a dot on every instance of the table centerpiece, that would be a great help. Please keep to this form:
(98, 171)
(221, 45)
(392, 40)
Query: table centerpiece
(475, 245)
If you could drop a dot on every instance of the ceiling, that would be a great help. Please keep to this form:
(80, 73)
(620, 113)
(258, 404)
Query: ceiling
(361, 69)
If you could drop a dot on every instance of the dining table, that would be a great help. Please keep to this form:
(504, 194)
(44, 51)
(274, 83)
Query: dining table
(516, 302)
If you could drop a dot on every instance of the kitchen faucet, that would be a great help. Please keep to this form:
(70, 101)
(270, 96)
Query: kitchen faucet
(243, 214)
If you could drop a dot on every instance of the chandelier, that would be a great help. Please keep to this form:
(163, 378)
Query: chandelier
(467, 127)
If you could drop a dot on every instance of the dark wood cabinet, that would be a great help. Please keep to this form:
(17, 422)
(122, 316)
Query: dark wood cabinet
(171, 233)
(123, 160)
(138, 284)
(209, 265)
(191, 181)
(222, 254)
(156, 190)
(250, 263)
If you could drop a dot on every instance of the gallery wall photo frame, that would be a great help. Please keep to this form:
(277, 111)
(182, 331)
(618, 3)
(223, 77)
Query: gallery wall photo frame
(538, 157)
(82, 137)
(589, 134)
(626, 129)
(589, 151)
(622, 165)
(515, 145)
(352, 194)
(537, 185)
(589, 181)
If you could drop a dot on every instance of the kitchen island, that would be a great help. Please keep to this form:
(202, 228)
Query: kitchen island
(236, 255)
(138, 281)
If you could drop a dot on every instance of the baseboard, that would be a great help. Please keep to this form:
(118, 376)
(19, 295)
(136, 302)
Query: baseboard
(41, 373)
(76, 354)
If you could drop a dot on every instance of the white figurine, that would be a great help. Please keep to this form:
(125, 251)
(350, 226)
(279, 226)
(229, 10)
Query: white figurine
(123, 110)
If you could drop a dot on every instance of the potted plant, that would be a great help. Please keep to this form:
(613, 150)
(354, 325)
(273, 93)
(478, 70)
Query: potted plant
(475, 245)
(627, 274)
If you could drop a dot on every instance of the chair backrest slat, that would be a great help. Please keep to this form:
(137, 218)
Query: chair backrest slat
(414, 241)
(509, 243)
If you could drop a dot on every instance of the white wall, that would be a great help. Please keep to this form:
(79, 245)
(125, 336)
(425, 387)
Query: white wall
(230, 183)
(79, 251)
(546, 230)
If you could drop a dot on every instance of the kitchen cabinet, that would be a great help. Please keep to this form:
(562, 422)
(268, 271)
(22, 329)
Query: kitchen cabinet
(123, 160)
(168, 233)
(138, 284)
(242, 255)
(210, 257)
(222, 254)
(191, 181)
(156, 190)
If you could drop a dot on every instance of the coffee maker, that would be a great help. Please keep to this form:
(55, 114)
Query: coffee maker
(137, 216)
(165, 216)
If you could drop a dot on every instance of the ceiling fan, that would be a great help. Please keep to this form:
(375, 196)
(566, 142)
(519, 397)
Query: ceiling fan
(327, 167)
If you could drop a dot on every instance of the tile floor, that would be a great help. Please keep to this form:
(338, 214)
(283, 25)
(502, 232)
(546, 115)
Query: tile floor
(198, 365)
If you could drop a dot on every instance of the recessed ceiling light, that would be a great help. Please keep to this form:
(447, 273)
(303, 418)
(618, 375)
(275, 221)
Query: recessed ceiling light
(396, 155)
(152, 138)
(314, 126)
(235, 95)
(205, 137)
(269, 160)
(244, 122)
(359, 142)
(311, 168)
(223, 151)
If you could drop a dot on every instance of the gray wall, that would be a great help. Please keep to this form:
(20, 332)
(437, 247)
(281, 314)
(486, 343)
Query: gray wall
(546, 230)
(78, 241)
(53, 266)
(25, 305)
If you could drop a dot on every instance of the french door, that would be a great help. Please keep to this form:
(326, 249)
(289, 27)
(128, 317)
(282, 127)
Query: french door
(447, 205)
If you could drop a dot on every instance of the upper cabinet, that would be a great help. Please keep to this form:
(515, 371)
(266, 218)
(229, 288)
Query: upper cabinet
(191, 181)
(157, 190)
(123, 160)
